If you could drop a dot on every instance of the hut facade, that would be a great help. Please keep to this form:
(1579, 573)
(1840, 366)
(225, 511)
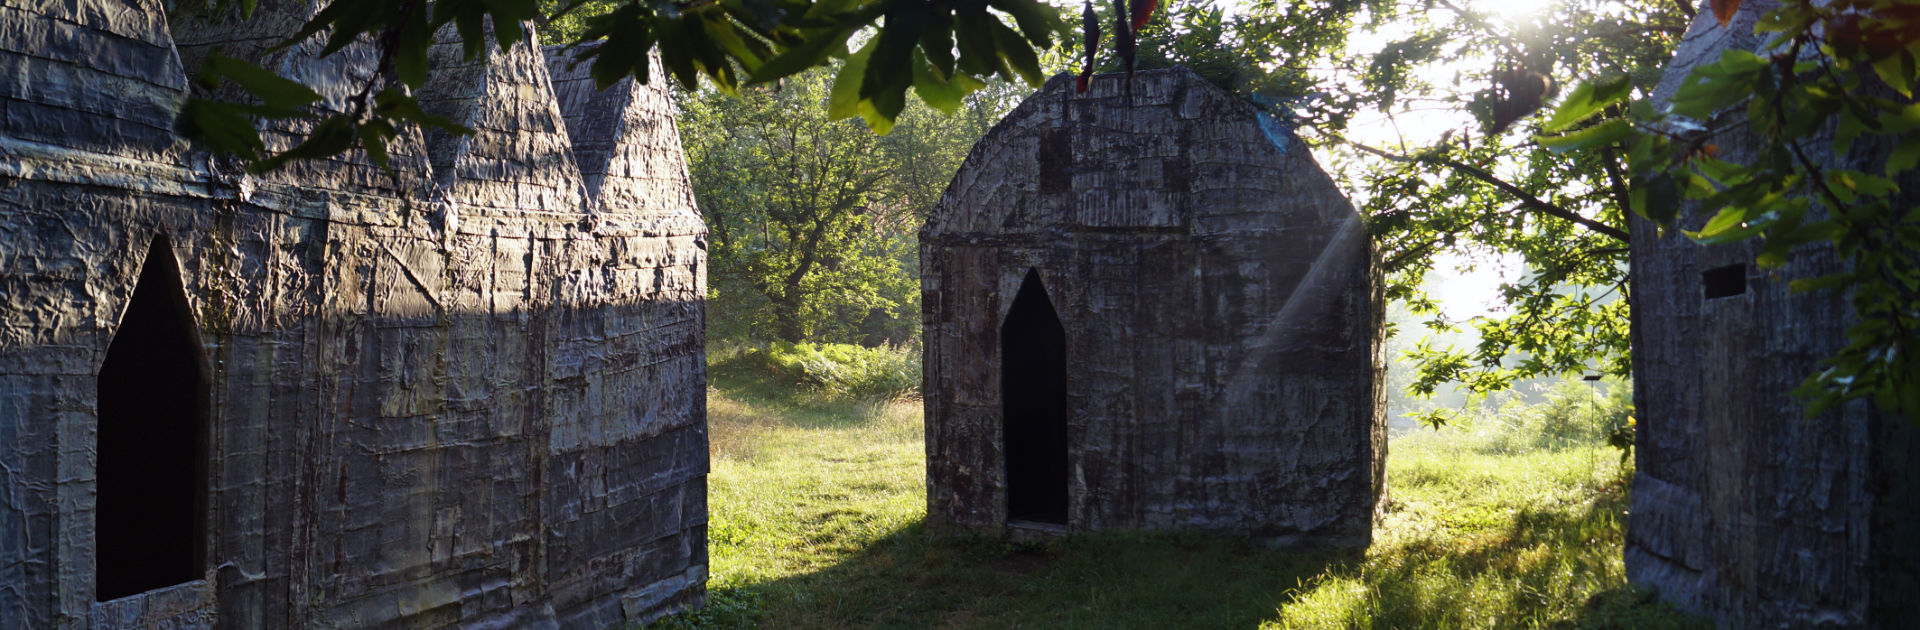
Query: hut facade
(469, 391)
(1744, 509)
(1142, 312)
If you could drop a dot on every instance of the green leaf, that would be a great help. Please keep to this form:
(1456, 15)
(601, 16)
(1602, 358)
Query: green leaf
(809, 53)
(278, 94)
(826, 9)
(1655, 197)
(393, 103)
(1714, 86)
(508, 28)
(676, 52)
(844, 100)
(1727, 219)
(622, 57)
(977, 54)
(1897, 70)
(1784, 21)
(1647, 153)
(1850, 127)
(1736, 62)
(888, 104)
(1730, 225)
(880, 124)
(1814, 231)
(221, 127)
(1017, 53)
(1721, 171)
(1866, 184)
(708, 56)
(332, 136)
(1604, 134)
(1698, 187)
(1588, 99)
(410, 50)
(723, 32)
(472, 31)
(345, 18)
(376, 144)
(937, 40)
(1036, 19)
(941, 95)
(1904, 157)
(890, 66)
(1821, 283)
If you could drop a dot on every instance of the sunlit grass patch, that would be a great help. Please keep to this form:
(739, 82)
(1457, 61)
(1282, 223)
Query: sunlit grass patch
(817, 505)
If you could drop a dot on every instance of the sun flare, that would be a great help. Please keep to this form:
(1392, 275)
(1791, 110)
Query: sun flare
(1512, 9)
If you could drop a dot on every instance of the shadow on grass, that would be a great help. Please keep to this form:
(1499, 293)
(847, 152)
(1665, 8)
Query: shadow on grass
(1528, 565)
(915, 578)
(1551, 567)
(1546, 569)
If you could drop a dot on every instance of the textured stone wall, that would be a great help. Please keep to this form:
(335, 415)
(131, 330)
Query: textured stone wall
(1221, 309)
(467, 392)
(1744, 509)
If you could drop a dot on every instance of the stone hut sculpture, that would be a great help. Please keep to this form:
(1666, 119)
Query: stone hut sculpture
(1744, 509)
(469, 391)
(1149, 314)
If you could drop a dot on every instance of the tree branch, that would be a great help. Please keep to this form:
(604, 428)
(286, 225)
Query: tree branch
(1527, 200)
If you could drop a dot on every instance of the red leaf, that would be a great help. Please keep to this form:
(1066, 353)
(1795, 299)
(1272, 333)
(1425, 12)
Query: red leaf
(1723, 10)
(1090, 25)
(1143, 11)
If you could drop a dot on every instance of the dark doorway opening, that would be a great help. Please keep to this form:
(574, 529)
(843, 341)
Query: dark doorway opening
(149, 527)
(1033, 390)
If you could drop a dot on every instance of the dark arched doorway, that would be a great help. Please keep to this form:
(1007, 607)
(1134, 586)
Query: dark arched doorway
(149, 523)
(1033, 390)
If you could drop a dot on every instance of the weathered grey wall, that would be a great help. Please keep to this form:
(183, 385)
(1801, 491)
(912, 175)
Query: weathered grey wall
(1744, 509)
(470, 392)
(1221, 310)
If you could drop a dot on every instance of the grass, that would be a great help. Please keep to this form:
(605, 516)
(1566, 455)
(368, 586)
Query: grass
(816, 509)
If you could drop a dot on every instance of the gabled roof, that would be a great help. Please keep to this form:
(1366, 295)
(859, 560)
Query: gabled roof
(1180, 155)
(519, 136)
(624, 137)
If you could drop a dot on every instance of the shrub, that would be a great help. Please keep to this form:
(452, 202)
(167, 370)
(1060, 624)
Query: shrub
(1573, 414)
(843, 369)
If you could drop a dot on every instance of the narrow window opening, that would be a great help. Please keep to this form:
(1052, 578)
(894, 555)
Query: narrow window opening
(1725, 281)
(1033, 386)
(149, 527)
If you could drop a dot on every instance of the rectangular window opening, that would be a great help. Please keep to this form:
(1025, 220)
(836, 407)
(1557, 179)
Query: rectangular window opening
(1727, 281)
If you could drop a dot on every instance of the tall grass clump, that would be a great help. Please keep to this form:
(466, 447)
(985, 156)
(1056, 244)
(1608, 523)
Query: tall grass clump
(1573, 414)
(837, 369)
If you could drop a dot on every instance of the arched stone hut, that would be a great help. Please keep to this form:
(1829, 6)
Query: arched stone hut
(467, 392)
(1745, 509)
(1147, 314)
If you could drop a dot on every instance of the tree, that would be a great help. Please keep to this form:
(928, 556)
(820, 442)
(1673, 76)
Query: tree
(1555, 186)
(1828, 105)
(941, 49)
(1484, 187)
(813, 220)
(1488, 189)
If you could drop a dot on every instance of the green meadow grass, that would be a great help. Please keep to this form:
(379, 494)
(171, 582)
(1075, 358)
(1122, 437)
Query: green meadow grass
(816, 522)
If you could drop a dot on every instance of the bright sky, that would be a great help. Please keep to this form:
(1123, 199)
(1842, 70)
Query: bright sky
(1510, 8)
(1464, 287)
